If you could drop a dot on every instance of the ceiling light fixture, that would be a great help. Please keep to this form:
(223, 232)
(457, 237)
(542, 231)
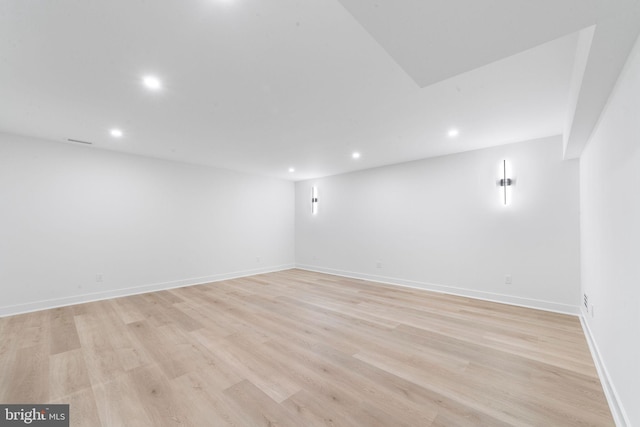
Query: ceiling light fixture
(116, 133)
(152, 82)
(356, 155)
(453, 133)
(292, 170)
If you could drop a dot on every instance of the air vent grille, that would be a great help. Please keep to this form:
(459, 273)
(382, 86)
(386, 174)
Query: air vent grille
(79, 142)
(586, 301)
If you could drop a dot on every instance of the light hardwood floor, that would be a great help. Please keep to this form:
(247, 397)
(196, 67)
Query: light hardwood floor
(296, 348)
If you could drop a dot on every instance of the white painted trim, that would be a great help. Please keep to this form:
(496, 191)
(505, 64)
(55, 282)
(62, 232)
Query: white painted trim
(617, 410)
(11, 310)
(486, 296)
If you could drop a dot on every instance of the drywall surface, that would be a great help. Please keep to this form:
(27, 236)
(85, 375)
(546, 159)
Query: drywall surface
(440, 224)
(610, 238)
(78, 223)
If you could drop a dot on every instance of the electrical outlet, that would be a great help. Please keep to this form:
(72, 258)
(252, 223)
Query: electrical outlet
(379, 264)
(99, 278)
(507, 279)
(257, 259)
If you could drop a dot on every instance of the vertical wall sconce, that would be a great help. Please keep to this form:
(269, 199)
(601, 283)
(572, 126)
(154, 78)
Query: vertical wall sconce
(505, 182)
(314, 200)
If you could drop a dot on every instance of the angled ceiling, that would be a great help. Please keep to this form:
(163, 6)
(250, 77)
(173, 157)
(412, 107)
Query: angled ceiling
(437, 39)
(263, 86)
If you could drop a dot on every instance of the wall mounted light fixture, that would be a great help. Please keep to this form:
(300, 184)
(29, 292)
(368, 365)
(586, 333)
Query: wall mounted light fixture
(314, 200)
(505, 182)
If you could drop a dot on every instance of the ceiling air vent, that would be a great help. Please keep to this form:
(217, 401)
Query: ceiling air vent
(79, 142)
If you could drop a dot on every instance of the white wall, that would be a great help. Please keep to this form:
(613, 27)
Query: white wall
(440, 224)
(68, 213)
(610, 237)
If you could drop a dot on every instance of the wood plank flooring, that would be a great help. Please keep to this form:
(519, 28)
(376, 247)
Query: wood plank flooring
(296, 348)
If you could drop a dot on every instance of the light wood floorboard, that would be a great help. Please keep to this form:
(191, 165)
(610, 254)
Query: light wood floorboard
(296, 348)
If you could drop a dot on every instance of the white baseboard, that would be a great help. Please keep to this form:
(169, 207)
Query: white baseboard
(486, 296)
(116, 293)
(617, 410)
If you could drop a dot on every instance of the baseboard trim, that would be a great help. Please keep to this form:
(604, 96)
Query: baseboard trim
(486, 296)
(617, 410)
(12, 310)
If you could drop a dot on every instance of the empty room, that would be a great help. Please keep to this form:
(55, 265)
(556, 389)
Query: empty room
(319, 213)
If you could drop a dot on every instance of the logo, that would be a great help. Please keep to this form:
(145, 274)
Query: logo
(34, 415)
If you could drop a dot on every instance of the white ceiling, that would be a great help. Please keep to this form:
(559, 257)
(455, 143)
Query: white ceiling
(261, 86)
(437, 39)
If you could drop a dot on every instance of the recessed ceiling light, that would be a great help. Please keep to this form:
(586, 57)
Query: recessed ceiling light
(116, 133)
(152, 82)
(356, 155)
(453, 133)
(292, 170)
